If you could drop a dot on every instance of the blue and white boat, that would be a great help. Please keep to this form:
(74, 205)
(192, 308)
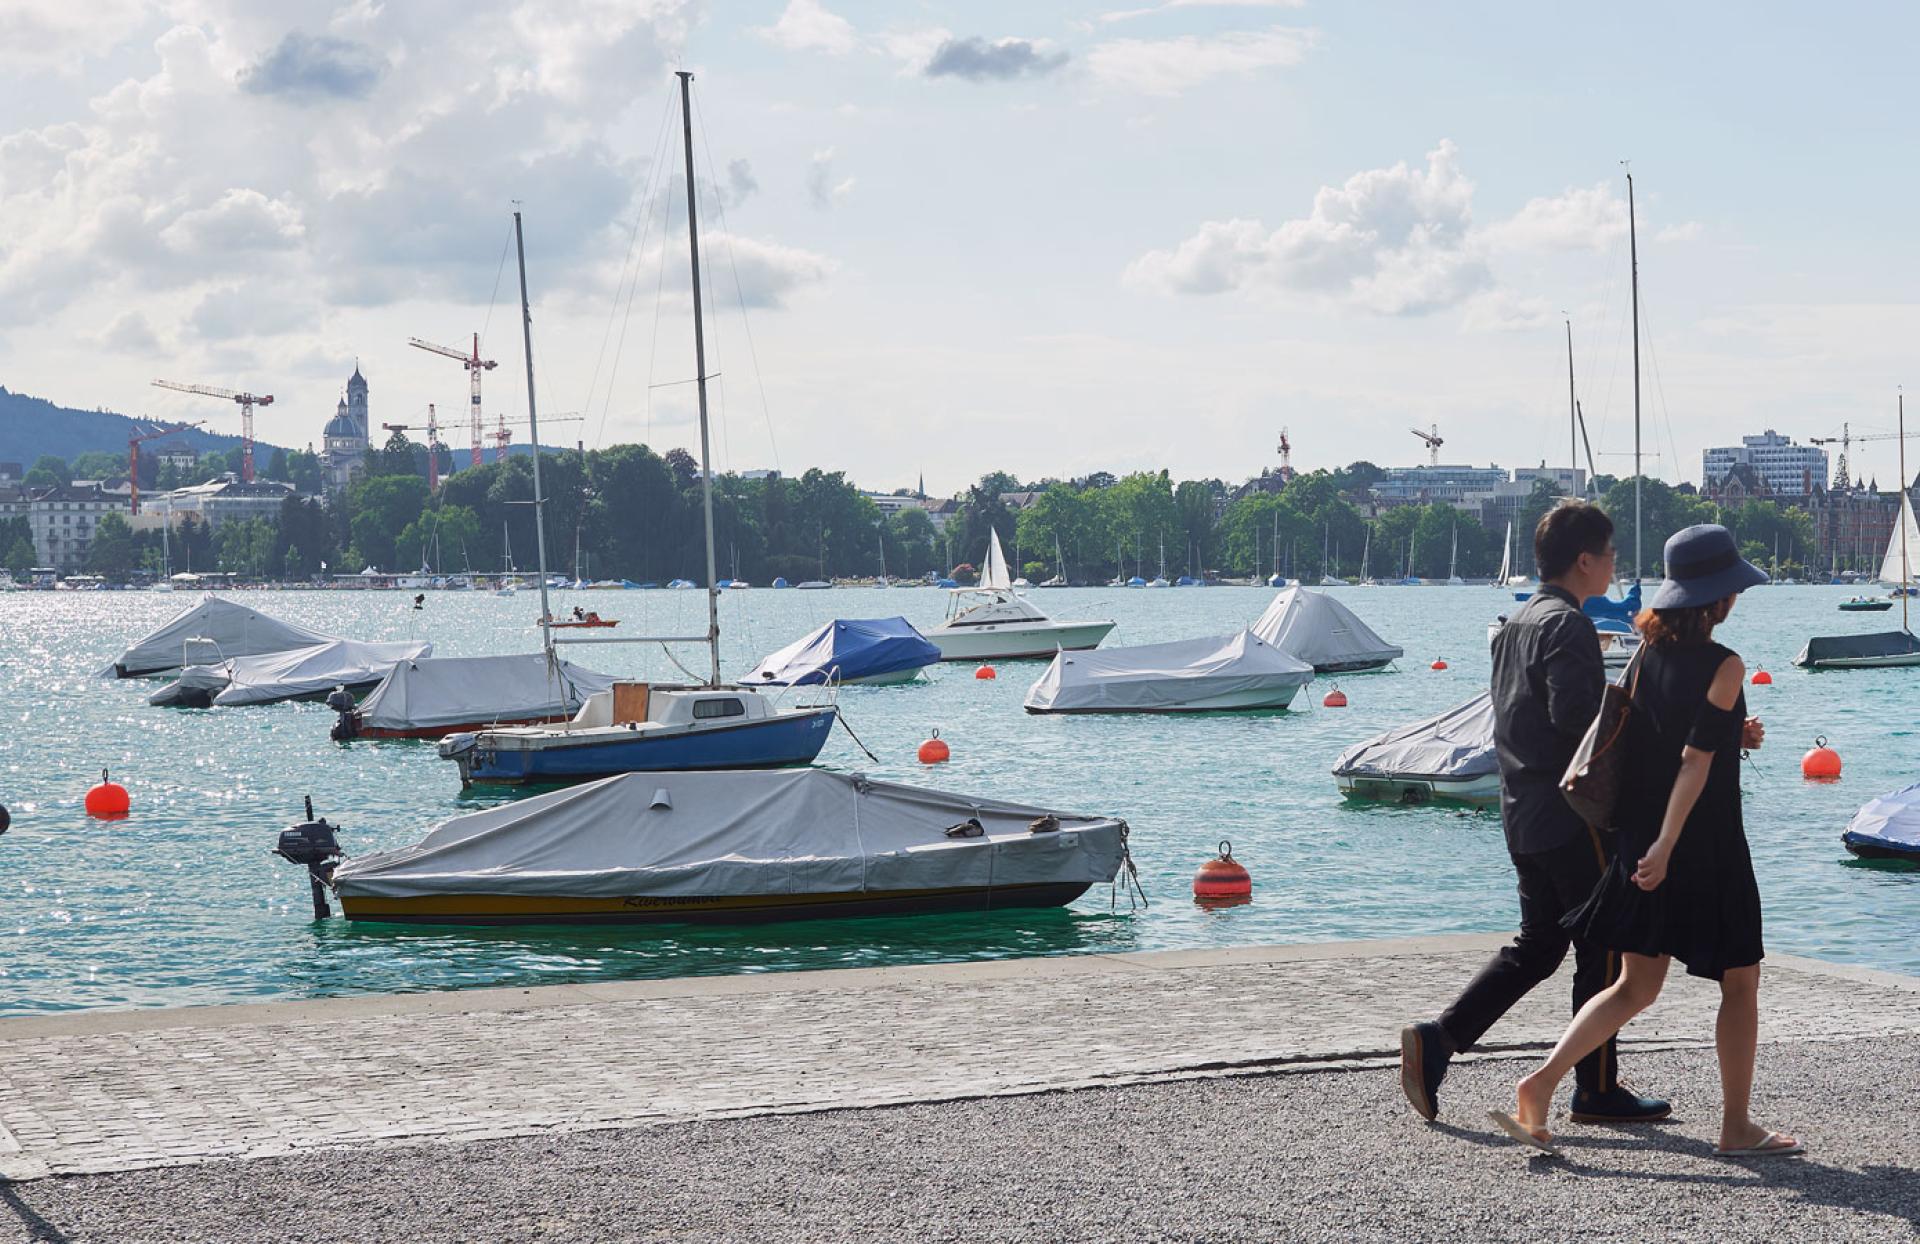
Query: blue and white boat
(1887, 828)
(634, 726)
(849, 651)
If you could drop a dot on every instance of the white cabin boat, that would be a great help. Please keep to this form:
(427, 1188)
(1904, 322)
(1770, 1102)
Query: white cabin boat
(994, 622)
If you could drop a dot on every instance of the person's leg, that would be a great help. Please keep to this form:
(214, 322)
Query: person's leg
(1532, 957)
(1604, 1015)
(1736, 1036)
(1594, 967)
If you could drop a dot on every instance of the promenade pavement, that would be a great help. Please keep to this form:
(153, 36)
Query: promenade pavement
(350, 1092)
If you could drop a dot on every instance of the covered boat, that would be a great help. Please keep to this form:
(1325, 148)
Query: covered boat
(849, 650)
(1448, 756)
(1324, 633)
(1228, 672)
(431, 696)
(733, 847)
(1888, 828)
(1839, 652)
(303, 673)
(212, 631)
(993, 622)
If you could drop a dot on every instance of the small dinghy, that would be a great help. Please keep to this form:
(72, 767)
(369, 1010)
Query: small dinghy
(870, 651)
(1324, 633)
(434, 696)
(729, 847)
(213, 630)
(1866, 604)
(1449, 756)
(1227, 673)
(1883, 649)
(1888, 828)
(302, 674)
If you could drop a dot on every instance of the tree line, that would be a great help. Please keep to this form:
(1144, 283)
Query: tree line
(627, 512)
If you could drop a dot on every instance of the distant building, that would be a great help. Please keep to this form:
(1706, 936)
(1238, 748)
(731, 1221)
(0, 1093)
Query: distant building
(11, 473)
(225, 500)
(65, 519)
(1463, 487)
(760, 473)
(1852, 527)
(174, 454)
(1788, 470)
(344, 443)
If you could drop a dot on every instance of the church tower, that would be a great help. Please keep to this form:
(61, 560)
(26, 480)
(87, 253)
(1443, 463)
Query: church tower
(357, 400)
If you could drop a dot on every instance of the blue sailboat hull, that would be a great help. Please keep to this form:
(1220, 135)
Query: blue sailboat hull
(778, 743)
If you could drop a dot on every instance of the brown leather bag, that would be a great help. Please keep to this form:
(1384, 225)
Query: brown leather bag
(1597, 772)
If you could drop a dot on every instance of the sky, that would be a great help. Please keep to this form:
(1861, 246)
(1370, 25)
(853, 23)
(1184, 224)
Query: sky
(947, 238)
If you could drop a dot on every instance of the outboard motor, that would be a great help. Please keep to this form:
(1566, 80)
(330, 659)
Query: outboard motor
(312, 845)
(347, 726)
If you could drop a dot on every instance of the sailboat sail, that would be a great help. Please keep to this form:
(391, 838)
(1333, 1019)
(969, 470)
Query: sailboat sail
(1897, 567)
(1506, 559)
(994, 574)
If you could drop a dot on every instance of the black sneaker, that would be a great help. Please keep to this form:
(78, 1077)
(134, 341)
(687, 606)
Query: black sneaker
(1618, 1105)
(1424, 1053)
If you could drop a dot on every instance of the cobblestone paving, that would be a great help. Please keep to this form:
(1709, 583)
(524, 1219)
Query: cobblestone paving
(126, 1091)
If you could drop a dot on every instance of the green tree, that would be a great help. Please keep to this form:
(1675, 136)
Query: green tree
(20, 558)
(303, 471)
(111, 553)
(381, 507)
(48, 472)
(97, 464)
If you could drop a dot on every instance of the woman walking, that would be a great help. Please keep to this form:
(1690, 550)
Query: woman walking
(1681, 883)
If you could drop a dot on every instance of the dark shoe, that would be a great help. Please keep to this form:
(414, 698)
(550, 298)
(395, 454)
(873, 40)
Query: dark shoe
(1618, 1105)
(1424, 1053)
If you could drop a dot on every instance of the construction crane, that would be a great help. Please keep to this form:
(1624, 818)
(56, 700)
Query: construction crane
(432, 428)
(1845, 440)
(1434, 441)
(247, 402)
(1286, 456)
(474, 365)
(133, 456)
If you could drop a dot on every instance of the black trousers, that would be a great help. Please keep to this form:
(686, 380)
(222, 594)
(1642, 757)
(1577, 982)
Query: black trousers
(1552, 883)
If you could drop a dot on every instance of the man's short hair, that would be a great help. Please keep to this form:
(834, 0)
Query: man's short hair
(1566, 531)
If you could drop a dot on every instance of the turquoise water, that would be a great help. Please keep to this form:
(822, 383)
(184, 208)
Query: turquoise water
(182, 904)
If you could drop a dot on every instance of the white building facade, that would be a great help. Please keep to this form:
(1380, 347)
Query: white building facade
(1787, 469)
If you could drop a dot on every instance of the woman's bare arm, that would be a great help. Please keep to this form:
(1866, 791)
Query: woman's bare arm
(1692, 779)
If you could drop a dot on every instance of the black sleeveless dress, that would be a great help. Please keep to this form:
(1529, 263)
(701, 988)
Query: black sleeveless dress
(1707, 912)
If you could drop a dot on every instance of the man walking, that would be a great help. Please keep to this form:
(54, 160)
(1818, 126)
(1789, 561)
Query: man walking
(1548, 680)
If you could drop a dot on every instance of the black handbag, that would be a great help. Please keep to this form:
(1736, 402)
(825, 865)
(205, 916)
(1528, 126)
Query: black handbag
(1597, 772)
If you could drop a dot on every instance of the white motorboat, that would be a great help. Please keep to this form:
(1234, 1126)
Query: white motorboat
(297, 674)
(1618, 640)
(1447, 756)
(1228, 673)
(1324, 633)
(721, 848)
(214, 630)
(993, 622)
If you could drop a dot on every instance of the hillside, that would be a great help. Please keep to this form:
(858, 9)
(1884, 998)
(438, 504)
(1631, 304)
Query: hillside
(32, 426)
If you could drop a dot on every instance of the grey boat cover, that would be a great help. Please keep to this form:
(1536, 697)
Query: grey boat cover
(1321, 631)
(1891, 820)
(442, 692)
(1167, 677)
(214, 630)
(277, 676)
(1890, 647)
(788, 831)
(1454, 746)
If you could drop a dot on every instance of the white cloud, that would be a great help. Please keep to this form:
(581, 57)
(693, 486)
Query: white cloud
(1686, 231)
(1396, 241)
(822, 190)
(807, 26)
(239, 221)
(130, 333)
(1124, 15)
(1504, 311)
(35, 32)
(1577, 219)
(1168, 67)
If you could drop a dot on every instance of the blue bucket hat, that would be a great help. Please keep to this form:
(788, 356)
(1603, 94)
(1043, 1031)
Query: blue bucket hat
(1703, 566)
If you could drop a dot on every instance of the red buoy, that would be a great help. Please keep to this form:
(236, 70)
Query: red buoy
(108, 801)
(1335, 698)
(1222, 880)
(1439, 665)
(935, 750)
(1762, 679)
(1822, 764)
(985, 671)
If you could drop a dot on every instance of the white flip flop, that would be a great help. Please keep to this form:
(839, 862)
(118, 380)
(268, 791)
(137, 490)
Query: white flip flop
(1525, 1135)
(1767, 1148)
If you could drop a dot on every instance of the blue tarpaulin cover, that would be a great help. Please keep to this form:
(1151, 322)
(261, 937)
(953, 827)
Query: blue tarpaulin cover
(848, 649)
(1607, 607)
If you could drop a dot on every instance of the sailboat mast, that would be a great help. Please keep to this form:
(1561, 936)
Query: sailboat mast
(1633, 251)
(700, 379)
(1906, 508)
(533, 431)
(1573, 418)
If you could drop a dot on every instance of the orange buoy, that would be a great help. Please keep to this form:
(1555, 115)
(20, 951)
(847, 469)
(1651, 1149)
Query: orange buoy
(108, 801)
(985, 671)
(1822, 764)
(1762, 679)
(1439, 665)
(935, 750)
(1223, 879)
(1335, 698)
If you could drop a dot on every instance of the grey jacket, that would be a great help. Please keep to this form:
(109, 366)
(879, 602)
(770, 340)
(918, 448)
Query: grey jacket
(1547, 684)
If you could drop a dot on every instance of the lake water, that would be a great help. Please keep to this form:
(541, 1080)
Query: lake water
(182, 903)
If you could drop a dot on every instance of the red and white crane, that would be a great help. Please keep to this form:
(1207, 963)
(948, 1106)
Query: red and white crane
(474, 365)
(432, 428)
(1434, 440)
(133, 456)
(247, 402)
